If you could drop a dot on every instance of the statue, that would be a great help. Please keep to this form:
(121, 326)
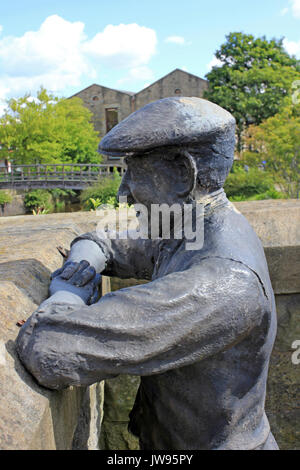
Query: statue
(200, 334)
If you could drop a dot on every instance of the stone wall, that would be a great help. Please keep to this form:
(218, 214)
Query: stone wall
(98, 98)
(278, 225)
(15, 207)
(35, 418)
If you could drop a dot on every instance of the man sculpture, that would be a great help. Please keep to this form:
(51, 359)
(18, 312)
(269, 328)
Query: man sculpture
(200, 334)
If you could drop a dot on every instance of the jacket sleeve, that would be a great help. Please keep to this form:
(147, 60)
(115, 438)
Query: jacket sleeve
(171, 322)
(126, 258)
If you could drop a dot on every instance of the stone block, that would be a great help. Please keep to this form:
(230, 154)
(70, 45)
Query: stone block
(115, 436)
(280, 238)
(282, 402)
(29, 276)
(32, 417)
(87, 433)
(119, 398)
(25, 417)
(120, 394)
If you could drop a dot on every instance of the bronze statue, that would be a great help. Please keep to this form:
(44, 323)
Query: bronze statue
(200, 334)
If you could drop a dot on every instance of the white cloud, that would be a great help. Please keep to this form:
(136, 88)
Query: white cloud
(137, 73)
(1, 28)
(175, 40)
(50, 57)
(141, 73)
(284, 11)
(3, 95)
(292, 47)
(124, 45)
(214, 63)
(296, 8)
(59, 54)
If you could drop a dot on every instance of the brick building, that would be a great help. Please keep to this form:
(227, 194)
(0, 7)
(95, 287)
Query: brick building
(109, 106)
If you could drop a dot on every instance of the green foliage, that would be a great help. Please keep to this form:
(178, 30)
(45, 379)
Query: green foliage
(276, 142)
(45, 201)
(254, 80)
(39, 201)
(48, 130)
(94, 203)
(103, 192)
(254, 184)
(58, 193)
(39, 211)
(5, 198)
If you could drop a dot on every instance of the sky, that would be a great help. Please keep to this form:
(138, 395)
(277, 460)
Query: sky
(67, 45)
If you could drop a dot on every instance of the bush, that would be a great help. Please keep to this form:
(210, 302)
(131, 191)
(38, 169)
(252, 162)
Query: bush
(254, 184)
(5, 198)
(103, 192)
(45, 201)
(39, 200)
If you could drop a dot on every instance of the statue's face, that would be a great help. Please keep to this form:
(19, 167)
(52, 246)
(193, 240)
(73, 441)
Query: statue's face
(151, 179)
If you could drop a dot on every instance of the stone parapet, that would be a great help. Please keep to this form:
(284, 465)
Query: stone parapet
(277, 223)
(32, 417)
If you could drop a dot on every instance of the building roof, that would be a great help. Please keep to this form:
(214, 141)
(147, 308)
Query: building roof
(131, 93)
(170, 73)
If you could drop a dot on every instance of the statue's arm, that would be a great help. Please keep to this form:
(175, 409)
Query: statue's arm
(171, 322)
(116, 257)
(123, 258)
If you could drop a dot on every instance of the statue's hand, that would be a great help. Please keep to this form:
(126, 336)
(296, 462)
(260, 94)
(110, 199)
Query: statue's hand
(79, 279)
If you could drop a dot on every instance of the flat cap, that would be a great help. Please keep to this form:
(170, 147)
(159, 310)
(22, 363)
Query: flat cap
(167, 122)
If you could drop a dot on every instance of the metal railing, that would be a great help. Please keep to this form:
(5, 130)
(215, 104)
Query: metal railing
(74, 175)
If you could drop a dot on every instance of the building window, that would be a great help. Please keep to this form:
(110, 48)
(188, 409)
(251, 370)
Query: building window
(111, 118)
(95, 98)
(177, 91)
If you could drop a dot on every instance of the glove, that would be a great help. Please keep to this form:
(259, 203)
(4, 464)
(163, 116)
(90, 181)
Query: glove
(76, 278)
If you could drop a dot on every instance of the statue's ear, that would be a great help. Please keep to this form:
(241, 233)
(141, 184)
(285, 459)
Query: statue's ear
(189, 173)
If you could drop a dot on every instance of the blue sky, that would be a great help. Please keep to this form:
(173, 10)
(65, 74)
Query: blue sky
(67, 45)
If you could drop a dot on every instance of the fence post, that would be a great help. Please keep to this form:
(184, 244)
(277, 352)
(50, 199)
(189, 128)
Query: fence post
(12, 175)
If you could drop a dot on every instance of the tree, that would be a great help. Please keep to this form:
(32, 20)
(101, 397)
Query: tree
(250, 184)
(275, 144)
(48, 130)
(254, 79)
